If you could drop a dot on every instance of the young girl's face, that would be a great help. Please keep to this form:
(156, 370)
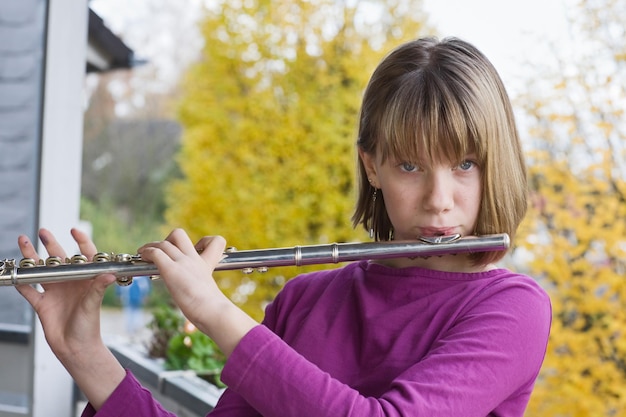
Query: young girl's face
(428, 198)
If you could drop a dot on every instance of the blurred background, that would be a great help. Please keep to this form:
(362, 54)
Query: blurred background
(239, 118)
(242, 123)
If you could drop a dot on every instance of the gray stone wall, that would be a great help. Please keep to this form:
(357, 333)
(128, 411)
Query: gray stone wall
(22, 60)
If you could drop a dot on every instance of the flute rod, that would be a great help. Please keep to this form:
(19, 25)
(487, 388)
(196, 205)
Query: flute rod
(124, 266)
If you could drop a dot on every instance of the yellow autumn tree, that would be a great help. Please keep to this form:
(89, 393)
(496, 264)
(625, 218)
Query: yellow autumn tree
(575, 233)
(269, 116)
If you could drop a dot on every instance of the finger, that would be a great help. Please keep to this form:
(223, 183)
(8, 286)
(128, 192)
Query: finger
(209, 240)
(175, 245)
(27, 248)
(98, 287)
(212, 249)
(53, 247)
(180, 239)
(162, 249)
(203, 243)
(30, 293)
(85, 244)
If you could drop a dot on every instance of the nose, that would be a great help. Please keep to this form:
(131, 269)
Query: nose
(438, 192)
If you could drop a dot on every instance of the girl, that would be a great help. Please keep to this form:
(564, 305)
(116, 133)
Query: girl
(455, 335)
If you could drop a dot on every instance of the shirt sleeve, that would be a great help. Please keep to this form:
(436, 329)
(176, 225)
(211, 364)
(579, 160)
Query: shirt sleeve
(232, 404)
(494, 353)
(129, 399)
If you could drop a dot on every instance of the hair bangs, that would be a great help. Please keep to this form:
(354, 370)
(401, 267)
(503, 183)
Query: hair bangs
(424, 122)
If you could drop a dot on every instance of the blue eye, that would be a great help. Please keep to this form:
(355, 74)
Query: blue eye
(408, 167)
(466, 165)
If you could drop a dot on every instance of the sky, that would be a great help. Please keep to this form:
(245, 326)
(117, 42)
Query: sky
(513, 34)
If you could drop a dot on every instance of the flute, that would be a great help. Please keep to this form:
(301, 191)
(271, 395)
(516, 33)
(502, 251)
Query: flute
(125, 266)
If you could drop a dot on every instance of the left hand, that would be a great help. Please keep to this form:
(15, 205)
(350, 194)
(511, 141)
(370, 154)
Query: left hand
(187, 272)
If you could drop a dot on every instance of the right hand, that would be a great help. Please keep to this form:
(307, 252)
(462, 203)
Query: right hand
(69, 311)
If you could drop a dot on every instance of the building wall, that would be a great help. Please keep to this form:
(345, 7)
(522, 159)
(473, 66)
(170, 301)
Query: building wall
(42, 62)
(22, 59)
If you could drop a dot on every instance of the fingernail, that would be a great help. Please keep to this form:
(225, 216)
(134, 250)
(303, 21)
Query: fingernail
(43, 238)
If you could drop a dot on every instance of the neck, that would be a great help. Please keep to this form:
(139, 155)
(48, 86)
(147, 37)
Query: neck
(446, 263)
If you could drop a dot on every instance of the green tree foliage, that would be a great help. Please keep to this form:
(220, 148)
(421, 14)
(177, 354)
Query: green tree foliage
(126, 161)
(576, 230)
(269, 116)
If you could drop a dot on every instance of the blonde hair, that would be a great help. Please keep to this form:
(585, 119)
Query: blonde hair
(433, 98)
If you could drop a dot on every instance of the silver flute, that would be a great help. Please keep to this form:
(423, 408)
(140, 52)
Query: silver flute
(125, 266)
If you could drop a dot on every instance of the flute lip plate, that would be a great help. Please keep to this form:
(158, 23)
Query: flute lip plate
(436, 240)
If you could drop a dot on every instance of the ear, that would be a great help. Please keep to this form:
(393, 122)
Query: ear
(369, 162)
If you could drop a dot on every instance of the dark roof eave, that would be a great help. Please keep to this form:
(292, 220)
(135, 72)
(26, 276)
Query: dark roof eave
(119, 54)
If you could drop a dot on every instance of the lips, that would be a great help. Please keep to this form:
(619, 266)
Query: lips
(437, 231)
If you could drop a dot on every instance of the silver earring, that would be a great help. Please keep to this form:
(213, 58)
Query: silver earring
(373, 209)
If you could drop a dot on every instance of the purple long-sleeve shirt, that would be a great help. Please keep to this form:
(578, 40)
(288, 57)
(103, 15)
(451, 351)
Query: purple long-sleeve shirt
(369, 340)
